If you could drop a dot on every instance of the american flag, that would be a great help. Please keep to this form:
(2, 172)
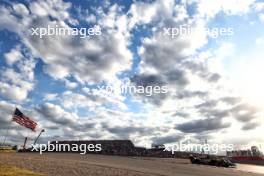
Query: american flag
(23, 120)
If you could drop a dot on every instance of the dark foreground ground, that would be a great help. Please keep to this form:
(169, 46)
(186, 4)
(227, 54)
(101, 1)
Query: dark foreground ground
(58, 164)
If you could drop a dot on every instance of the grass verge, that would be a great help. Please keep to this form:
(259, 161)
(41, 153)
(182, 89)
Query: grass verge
(14, 171)
(7, 151)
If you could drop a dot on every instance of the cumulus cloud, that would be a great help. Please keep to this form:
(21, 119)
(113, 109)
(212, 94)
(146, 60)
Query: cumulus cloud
(6, 110)
(259, 6)
(92, 60)
(125, 131)
(245, 112)
(167, 139)
(56, 114)
(16, 84)
(250, 126)
(204, 125)
(233, 7)
(13, 56)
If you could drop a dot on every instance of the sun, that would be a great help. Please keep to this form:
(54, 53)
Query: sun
(250, 82)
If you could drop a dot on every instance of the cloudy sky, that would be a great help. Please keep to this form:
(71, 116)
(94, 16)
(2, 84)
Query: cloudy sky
(214, 83)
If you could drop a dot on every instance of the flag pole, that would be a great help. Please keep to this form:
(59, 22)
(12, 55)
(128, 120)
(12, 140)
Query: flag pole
(7, 130)
(27, 138)
(42, 131)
